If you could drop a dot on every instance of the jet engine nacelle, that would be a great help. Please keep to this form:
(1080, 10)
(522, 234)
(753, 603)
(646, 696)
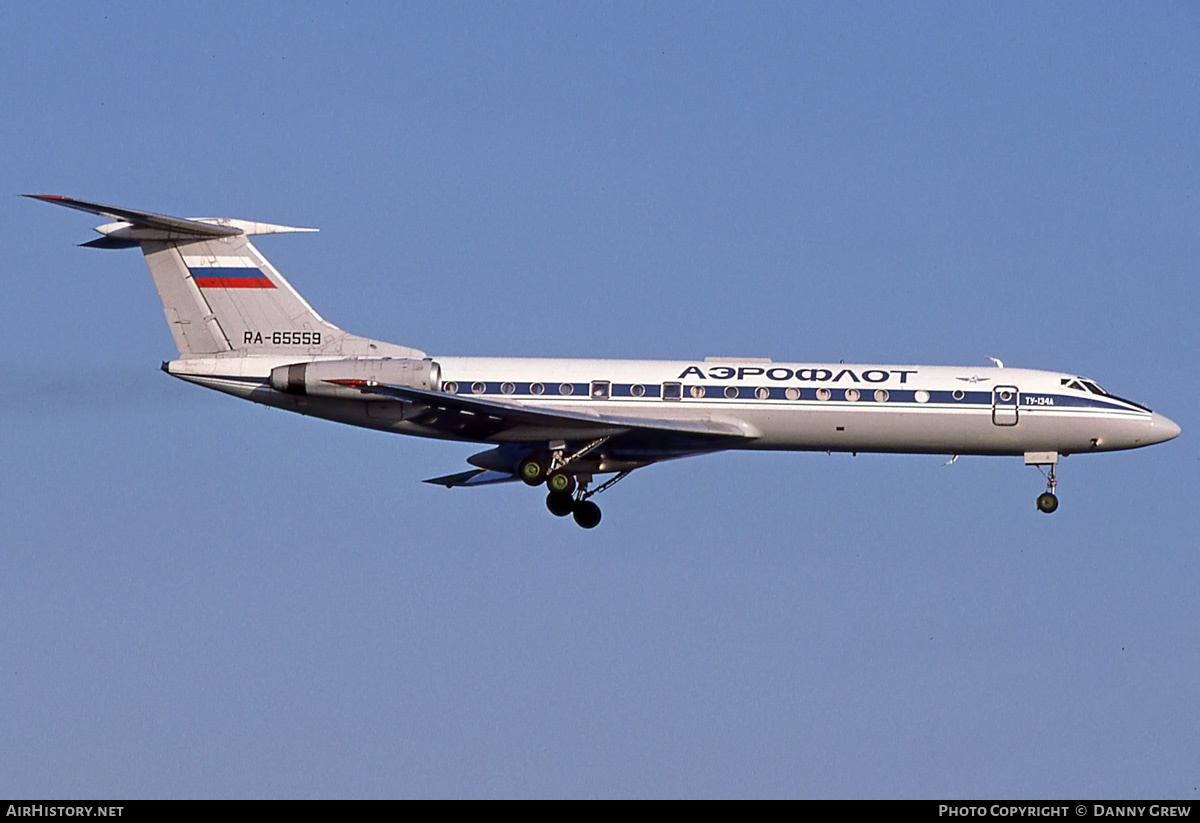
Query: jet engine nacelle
(347, 378)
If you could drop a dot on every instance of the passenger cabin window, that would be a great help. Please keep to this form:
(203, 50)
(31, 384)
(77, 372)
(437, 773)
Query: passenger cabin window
(601, 389)
(672, 391)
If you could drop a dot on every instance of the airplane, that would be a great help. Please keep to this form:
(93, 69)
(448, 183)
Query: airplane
(242, 329)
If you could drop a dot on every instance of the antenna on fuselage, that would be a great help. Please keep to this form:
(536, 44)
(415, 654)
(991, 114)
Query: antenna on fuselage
(999, 363)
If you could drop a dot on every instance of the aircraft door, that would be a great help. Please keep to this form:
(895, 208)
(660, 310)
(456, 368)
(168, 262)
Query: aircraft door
(1006, 401)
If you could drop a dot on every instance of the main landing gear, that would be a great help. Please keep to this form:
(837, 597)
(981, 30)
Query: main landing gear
(568, 492)
(579, 504)
(1047, 501)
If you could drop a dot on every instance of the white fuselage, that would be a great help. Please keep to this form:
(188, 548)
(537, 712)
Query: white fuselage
(242, 329)
(781, 406)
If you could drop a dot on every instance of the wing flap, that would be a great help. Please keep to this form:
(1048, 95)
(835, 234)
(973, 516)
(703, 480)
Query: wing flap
(472, 477)
(588, 423)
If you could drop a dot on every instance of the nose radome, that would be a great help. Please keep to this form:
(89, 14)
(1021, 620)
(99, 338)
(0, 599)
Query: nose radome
(1162, 428)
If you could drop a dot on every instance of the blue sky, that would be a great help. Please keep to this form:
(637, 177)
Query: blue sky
(203, 597)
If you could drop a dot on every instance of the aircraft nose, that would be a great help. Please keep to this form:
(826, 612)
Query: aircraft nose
(1162, 428)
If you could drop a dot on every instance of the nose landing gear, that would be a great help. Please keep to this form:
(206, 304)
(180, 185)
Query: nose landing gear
(1047, 501)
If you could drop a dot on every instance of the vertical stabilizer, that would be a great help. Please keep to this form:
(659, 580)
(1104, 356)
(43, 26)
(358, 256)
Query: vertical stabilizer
(219, 294)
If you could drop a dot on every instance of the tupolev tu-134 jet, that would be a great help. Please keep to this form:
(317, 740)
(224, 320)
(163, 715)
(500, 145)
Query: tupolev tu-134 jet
(243, 330)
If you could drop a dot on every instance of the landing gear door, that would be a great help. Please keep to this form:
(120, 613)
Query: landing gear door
(1005, 403)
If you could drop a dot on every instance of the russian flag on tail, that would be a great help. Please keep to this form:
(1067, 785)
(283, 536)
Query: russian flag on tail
(224, 272)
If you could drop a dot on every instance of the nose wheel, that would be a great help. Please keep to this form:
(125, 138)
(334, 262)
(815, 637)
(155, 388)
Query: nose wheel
(1047, 502)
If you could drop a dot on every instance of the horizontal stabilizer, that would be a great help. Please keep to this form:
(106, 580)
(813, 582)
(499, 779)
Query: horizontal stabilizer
(141, 219)
(133, 226)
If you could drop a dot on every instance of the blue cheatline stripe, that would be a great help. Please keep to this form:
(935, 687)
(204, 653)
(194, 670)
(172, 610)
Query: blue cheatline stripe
(940, 400)
(715, 392)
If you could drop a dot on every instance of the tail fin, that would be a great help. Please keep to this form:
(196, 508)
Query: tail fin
(220, 295)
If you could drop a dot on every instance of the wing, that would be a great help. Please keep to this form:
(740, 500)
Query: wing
(523, 429)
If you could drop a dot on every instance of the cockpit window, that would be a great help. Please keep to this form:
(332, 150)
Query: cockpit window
(1079, 384)
(1091, 386)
